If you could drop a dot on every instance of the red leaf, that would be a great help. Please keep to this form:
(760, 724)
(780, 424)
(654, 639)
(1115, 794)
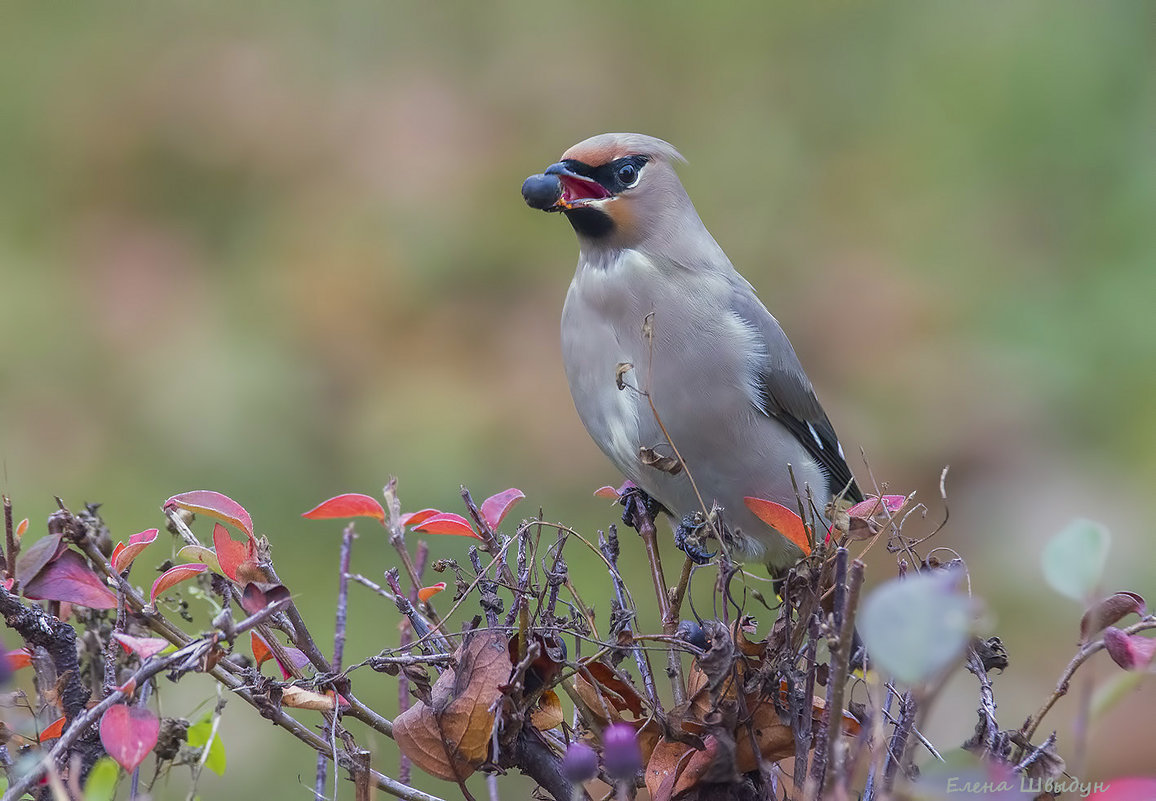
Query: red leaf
(20, 658)
(231, 553)
(129, 687)
(349, 505)
(32, 561)
(123, 555)
(261, 651)
(215, 505)
(69, 578)
(1129, 651)
(496, 507)
(128, 734)
(425, 593)
(174, 576)
(447, 523)
(416, 518)
(21, 527)
(52, 730)
(144, 647)
(873, 506)
(782, 520)
(607, 492)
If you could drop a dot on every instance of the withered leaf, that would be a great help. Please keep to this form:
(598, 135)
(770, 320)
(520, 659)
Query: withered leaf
(450, 736)
(620, 374)
(667, 464)
(1108, 611)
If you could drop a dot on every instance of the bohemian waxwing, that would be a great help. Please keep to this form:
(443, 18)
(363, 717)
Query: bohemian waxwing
(656, 314)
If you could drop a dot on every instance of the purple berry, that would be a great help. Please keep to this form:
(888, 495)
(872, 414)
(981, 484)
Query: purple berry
(580, 763)
(621, 756)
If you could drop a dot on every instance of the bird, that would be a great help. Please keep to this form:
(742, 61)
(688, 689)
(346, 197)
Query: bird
(679, 373)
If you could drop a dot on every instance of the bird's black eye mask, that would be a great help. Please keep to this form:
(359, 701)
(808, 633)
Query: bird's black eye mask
(614, 176)
(573, 187)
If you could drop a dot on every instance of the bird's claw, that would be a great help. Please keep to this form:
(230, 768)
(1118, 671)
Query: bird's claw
(636, 500)
(689, 539)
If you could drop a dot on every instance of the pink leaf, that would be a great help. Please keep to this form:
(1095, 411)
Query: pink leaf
(69, 578)
(607, 492)
(32, 560)
(447, 523)
(231, 553)
(123, 555)
(1129, 651)
(349, 505)
(297, 659)
(174, 576)
(215, 505)
(129, 733)
(782, 520)
(496, 507)
(417, 518)
(144, 647)
(873, 506)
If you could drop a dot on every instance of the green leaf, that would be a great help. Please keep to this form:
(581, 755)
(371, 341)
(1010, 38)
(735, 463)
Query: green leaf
(101, 783)
(916, 626)
(198, 737)
(1073, 560)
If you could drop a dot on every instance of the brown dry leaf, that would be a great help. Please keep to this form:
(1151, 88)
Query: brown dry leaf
(548, 713)
(607, 696)
(774, 738)
(301, 698)
(450, 737)
(675, 767)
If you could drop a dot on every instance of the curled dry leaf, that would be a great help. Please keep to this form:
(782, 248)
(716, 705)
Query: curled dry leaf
(782, 520)
(446, 523)
(495, 508)
(214, 505)
(450, 736)
(606, 694)
(174, 576)
(1109, 611)
(351, 504)
(301, 698)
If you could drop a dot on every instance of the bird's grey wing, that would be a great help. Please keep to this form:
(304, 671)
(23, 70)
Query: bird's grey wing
(785, 393)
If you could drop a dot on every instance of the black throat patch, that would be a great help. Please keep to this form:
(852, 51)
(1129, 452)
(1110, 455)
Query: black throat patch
(590, 223)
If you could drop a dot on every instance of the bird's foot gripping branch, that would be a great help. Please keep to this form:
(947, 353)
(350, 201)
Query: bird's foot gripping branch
(519, 671)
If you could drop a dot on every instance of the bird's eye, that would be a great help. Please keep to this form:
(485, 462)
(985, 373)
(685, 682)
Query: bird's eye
(628, 174)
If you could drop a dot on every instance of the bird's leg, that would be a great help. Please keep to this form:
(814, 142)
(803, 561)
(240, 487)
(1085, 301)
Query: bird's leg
(690, 539)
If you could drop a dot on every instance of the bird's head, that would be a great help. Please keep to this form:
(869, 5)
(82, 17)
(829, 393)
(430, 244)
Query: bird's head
(617, 189)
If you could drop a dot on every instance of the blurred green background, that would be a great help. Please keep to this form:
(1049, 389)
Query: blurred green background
(278, 250)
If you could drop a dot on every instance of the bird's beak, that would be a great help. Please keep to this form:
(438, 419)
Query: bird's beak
(577, 190)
